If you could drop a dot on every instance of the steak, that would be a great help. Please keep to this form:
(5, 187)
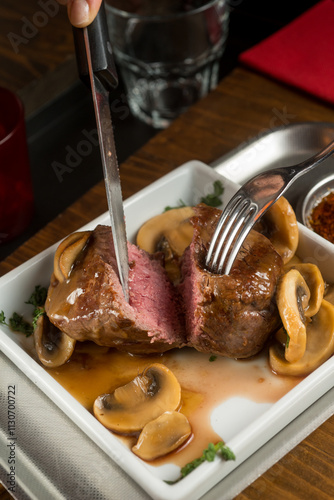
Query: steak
(90, 304)
(230, 315)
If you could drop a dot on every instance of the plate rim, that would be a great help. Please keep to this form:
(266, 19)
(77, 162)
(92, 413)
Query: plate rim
(190, 487)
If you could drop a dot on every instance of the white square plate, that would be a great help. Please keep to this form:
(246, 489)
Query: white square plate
(246, 425)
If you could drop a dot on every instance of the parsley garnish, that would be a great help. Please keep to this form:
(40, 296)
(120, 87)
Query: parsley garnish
(214, 200)
(17, 323)
(3, 319)
(180, 205)
(39, 311)
(38, 297)
(212, 358)
(211, 199)
(208, 455)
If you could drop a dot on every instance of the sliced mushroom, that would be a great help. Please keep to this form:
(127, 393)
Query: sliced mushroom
(279, 224)
(130, 407)
(67, 252)
(314, 280)
(162, 435)
(53, 347)
(170, 233)
(292, 299)
(319, 345)
(173, 225)
(292, 262)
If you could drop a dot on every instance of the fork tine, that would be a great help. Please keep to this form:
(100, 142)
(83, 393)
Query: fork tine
(230, 207)
(226, 237)
(249, 219)
(229, 238)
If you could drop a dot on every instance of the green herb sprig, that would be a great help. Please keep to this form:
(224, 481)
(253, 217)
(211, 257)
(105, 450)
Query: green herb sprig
(180, 205)
(208, 455)
(17, 323)
(214, 199)
(38, 297)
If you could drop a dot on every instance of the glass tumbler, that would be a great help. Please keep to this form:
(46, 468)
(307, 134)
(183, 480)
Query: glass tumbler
(168, 53)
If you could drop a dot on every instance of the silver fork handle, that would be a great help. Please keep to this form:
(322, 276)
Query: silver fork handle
(267, 186)
(314, 160)
(261, 191)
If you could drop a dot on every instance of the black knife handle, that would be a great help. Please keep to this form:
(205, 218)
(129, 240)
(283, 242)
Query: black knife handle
(101, 51)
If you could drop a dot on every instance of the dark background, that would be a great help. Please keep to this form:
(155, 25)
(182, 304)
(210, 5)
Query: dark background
(63, 132)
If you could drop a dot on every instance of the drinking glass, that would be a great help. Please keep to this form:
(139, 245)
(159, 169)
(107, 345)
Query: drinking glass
(168, 53)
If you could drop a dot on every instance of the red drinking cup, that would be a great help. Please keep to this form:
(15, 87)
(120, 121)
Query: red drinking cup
(16, 193)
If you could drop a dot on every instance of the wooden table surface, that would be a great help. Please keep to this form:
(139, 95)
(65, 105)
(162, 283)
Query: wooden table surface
(243, 106)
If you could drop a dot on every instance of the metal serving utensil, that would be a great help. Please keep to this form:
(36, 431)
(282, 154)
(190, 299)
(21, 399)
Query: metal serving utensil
(248, 205)
(97, 70)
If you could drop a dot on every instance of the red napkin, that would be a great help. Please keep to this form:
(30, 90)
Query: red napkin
(301, 54)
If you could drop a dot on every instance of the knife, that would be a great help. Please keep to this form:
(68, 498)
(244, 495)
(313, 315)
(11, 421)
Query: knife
(97, 70)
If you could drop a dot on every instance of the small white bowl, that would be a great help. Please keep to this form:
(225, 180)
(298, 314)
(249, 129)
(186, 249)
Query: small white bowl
(314, 197)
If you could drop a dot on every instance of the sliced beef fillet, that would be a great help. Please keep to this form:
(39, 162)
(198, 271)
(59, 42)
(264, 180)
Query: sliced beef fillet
(90, 304)
(230, 315)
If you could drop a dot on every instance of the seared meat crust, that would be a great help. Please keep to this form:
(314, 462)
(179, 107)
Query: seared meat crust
(90, 305)
(229, 315)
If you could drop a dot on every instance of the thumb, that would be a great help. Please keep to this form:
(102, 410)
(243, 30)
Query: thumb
(82, 12)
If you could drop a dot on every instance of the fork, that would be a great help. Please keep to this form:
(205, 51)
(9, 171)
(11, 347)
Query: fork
(248, 205)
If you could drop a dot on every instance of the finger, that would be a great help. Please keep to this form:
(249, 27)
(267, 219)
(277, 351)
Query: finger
(82, 12)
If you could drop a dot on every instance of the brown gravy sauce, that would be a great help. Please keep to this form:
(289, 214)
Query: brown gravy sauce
(94, 370)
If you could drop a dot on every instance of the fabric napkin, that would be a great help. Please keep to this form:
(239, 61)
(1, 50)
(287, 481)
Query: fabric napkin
(301, 54)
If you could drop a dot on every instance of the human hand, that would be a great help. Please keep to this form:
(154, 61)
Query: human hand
(81, 12)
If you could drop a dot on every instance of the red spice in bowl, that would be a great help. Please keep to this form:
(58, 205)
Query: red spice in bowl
(322, 217)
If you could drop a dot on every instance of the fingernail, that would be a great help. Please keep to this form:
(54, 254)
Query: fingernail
(79, 12)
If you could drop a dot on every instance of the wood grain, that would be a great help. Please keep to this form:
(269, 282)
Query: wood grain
(35, 40)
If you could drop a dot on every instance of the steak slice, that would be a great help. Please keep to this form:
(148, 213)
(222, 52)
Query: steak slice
(230, 315)
(90, 304)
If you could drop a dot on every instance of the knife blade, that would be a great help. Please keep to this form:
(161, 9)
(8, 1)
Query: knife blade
(97, 70)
